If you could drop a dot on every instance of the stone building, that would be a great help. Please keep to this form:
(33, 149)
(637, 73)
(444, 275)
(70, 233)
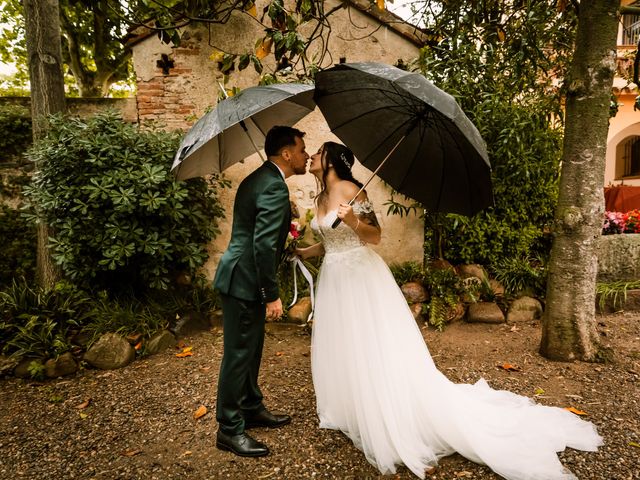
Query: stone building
(177, 85)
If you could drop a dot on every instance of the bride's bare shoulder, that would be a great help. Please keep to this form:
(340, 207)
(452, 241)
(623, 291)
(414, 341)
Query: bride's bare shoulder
(349, 189)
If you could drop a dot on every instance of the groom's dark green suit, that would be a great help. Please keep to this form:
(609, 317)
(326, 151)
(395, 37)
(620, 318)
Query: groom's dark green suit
(247, 279)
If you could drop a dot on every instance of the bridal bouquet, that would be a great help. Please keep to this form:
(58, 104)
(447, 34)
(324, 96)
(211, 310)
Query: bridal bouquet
(295, 234)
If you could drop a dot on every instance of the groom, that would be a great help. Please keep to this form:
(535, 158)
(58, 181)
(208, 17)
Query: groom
(246, 279)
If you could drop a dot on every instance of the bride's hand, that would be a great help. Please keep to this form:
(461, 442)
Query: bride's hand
(345, 213)
(301, 252)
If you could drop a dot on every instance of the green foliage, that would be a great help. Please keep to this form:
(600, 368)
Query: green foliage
(18, 257)
(444, 286)
(37, 323)
(121, 220)
(614, 293)
(518, 275)
(516, 51)
(124, 316)
(445, 291)
(15, 132)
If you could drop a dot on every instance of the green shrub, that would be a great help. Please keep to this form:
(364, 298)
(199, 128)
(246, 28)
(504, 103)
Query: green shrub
(407, 272)
(18, 257)
(121, 221)
(39, 323)
(519, 275)
(15, 132)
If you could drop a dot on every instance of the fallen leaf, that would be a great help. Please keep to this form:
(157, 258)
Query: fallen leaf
(138, 346)
(634, 444)
(279, 354)
(380, 4)
(200, 412)
(83, 415)
(539, 391)
(84, 404)
(187, 349)
(509, 368)
(575, 410)
(514, 329)
(184, 354)
(463, 473)
(131, 453)
(205, 369)
(252, 10)
(188, 452)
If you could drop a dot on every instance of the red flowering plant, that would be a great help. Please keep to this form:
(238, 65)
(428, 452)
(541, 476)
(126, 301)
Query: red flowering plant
(614, 222)
(291, 243)
(632, 221)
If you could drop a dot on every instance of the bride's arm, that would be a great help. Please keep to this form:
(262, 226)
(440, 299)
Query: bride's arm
(365, 225)
(313, 251)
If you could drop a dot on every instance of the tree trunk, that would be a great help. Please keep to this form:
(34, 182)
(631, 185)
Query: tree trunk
(42, 29)
(569, 331)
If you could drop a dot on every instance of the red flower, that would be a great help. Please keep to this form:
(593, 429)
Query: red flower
(293, 230)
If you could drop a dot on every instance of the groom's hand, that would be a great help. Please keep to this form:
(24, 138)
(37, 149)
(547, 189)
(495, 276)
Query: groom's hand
(274, 310)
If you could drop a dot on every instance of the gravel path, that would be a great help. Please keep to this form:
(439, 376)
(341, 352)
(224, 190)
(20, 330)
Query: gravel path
(139, 422)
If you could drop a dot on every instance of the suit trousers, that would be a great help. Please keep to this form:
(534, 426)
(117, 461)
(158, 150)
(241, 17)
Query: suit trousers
(238, 391)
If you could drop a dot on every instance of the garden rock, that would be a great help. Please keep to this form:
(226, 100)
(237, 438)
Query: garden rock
(215, 318)
(496, 287)
(416, 310)
(22, 369)
(472, 270)
(64, 365)
(300, 311)
(7, 365)
(414, 292)
(440, 264)
(189, 323)
(160, 342)
(111, 351)
(456, 312)
(484, 312)
(524, 309)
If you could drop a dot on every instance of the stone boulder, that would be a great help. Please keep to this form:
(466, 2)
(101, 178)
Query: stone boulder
(64, 365)
(159, 342)
(111, 351)
(472, 270)
(299, 312)
(22, 369)
(440, 264)
(524, 309)
(416, 310)
(7, 365)
(496, 287)
(484, 312)
(414, 292)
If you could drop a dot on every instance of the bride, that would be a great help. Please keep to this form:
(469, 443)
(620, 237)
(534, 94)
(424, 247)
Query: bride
(374, 377)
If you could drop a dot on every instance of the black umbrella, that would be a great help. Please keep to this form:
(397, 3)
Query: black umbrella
(410, 133)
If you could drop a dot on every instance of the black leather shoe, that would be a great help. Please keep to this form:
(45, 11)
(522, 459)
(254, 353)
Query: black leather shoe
(242, 445)
(266, 419)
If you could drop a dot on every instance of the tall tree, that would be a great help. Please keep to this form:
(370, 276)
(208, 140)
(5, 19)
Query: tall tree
(42, 33)
(569, 330)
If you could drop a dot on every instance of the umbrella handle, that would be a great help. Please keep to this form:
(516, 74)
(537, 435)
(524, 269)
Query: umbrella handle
(336, 222)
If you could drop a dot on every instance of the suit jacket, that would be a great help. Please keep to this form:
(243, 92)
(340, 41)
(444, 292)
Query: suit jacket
(261, 221)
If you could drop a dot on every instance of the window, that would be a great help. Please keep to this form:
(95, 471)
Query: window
(631, 28)
(631, 157)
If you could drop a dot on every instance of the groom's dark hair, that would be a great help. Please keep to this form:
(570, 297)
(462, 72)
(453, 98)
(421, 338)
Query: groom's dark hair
(279, 137)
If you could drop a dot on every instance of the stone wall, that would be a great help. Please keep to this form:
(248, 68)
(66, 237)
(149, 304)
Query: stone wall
(85, 107)
(619, 257)
(178, 85)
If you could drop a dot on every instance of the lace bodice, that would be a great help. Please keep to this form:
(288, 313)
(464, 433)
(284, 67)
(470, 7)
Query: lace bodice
(342, 238)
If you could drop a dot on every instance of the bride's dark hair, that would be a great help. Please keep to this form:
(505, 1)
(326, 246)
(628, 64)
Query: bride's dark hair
(341, 159)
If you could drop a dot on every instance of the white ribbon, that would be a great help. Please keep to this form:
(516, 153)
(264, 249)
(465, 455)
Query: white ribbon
(296, 262)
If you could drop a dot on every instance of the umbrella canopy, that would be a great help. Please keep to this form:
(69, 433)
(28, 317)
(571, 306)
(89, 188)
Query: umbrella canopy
(435, 154)
(236, 128)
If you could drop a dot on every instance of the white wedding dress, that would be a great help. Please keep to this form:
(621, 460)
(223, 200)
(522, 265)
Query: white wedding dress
(376, 382)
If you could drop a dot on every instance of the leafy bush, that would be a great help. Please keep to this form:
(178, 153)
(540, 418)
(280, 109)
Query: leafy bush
(121, 221)
(521, 274)
(38, 323)
(407, 272)
(18, 257)
(15, 132)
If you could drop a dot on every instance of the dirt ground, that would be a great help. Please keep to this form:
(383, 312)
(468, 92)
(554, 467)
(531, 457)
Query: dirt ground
(138, 422)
